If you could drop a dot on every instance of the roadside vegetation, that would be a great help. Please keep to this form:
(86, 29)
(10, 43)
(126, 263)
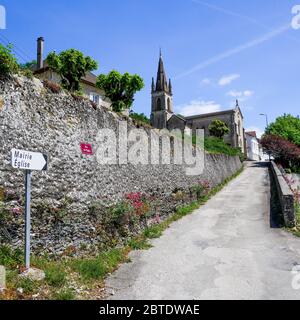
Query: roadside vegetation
(297, 230)
(70, 278)
(217, 145)
(282, 142)
(215, 142)
(140, 118)
(8, 61)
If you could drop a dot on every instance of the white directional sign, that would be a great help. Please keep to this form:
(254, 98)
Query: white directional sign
(27, 160)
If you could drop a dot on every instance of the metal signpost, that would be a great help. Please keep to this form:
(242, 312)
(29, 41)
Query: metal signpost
(28, 161)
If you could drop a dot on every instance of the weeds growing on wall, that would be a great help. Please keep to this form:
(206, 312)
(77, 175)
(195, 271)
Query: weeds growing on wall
(8, 61)
(296, 192)
(70, 278)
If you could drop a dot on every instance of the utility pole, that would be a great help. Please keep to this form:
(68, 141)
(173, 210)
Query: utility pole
(267, 120)
(267, 123)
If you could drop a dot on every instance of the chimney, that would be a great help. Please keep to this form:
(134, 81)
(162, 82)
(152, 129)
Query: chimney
(40, 53)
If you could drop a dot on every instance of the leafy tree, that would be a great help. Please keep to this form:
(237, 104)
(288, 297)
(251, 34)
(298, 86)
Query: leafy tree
(72, 66)
(28, 65)
(283, 151)
(218, 129)
(287, 127)
(140, 117)
(8, 61)
(120, 88)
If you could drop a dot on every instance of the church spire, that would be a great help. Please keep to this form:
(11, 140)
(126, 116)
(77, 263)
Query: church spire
(161, 82)
(162, 98)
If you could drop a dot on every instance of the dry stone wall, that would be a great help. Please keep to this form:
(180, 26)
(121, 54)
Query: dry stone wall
(35, 119)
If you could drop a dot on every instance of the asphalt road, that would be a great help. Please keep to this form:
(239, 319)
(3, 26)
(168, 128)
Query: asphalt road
(224, 250)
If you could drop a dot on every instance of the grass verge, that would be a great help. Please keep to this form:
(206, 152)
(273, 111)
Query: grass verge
(296, 229)
(156, 231)
(74, 278)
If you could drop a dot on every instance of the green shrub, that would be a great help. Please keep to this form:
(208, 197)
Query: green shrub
(55, 276)
(27, 73)
(10, 258)
(8, 61)
(139, 117)
(31, 65)
(218, 129)
(120, 214)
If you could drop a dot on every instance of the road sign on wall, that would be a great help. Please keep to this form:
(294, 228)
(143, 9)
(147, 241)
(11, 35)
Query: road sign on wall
(86, 149)
(27, 160)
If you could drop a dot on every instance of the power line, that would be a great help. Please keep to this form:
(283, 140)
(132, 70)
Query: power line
(17, 50)
(14, 50)
(15, 46)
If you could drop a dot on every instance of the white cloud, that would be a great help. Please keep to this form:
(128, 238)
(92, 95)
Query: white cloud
(226, 80)
(198, 106)
(228, 54)
(240, 94)
(206, 81)
(259, 131)
(248, 93)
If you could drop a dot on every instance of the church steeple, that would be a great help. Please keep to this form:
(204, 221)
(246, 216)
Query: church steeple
(162, 100)
(161, 81)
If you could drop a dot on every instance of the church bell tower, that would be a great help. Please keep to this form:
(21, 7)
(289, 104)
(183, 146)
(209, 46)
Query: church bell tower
(162, 98)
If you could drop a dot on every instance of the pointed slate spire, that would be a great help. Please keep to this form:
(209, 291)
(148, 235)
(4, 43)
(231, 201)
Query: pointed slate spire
(237, 104)
(161, 82)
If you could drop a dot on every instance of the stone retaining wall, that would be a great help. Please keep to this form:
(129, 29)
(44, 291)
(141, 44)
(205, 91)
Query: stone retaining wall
(64, 197)
(286, 197)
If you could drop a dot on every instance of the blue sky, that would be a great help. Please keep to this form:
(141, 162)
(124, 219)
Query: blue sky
(214, 50)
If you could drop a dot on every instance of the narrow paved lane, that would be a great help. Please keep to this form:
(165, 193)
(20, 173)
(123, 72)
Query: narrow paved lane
(224, 250)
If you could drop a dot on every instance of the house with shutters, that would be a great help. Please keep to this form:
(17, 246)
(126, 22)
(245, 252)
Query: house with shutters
(88, 82)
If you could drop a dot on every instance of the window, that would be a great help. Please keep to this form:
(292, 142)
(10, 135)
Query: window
(95, 97)
(158, 104)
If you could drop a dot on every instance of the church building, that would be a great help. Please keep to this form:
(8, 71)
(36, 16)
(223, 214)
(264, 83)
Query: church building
(163, 116)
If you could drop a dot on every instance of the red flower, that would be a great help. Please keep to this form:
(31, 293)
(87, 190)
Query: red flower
(16, 210)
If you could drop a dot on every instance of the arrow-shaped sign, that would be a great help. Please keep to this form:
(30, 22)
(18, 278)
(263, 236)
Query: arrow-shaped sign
(27, 160)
